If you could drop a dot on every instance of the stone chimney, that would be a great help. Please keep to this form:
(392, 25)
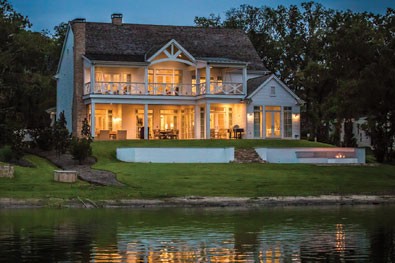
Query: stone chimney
(79, 20)
(116, 19)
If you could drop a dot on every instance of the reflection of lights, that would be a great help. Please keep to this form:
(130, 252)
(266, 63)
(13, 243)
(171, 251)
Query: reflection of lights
(340, 238)
(108, 254)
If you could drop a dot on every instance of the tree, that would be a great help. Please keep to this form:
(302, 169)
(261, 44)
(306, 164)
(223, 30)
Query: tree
(81, 147)
(27, 64)
(211, 21)
(378, 93)
(61, 135)
(341, 63)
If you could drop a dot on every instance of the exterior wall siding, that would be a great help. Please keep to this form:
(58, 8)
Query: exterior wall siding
(281, 98)
(65, 82)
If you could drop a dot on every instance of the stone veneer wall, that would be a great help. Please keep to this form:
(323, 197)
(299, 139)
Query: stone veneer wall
(65, 176)
(79, 108)
(7, 171)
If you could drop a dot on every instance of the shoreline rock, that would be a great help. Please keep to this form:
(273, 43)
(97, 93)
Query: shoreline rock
(198, 202)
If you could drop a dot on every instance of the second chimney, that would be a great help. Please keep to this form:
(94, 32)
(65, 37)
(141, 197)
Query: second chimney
(116, 19)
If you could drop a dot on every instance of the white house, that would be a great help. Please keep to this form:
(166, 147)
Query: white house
(151, 81)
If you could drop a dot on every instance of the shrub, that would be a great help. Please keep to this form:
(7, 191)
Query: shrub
(80, 149)
(43, 138)
(6, 154)
(61, 135)
(18, 144)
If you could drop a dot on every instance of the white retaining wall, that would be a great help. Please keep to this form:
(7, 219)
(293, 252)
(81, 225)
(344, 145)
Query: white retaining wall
(289, 155)
(176, 155)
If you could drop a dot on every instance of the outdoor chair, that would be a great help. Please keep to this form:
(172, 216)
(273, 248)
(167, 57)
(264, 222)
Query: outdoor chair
(121, 134)
(174, 134)
(157, 134)
(103, 135)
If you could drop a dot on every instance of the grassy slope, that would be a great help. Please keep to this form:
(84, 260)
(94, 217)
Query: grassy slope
(167, 180)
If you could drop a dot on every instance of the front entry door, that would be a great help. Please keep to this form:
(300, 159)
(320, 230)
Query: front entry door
(273, 122)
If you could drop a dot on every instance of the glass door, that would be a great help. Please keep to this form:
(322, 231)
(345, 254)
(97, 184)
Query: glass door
(140, 122)
(258, 122)
(273, 121)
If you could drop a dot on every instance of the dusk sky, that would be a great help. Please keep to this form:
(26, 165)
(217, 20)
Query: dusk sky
(45, 14)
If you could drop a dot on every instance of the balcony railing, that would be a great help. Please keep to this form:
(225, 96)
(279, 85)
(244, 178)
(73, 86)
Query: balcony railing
(225, 88)
(169, 89)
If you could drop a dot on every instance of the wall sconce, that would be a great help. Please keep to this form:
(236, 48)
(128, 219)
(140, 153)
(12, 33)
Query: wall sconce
(250, 117)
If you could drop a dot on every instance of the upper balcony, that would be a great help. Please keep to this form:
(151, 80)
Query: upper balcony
(166, 89)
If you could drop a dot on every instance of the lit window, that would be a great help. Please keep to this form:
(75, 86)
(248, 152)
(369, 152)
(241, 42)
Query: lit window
(287, 122)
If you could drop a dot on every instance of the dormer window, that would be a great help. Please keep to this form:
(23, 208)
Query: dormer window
(273, 91)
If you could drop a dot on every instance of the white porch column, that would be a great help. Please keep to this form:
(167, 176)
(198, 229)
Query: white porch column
(93, 124)
(93, 81)
(146, 80)
(208, 78)
(197, 74)
(244, 80)
(145, 121)
(197, 122)
(207, 120)
(282, 122)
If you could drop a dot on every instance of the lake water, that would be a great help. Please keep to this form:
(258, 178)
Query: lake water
(284, 234)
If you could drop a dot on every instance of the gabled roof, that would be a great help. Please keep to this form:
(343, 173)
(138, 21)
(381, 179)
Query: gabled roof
(136, 40)
(173, 45)
(254, 84)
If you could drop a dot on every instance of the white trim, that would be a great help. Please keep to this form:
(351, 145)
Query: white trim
(146, 121)
(207, 120)
(170, 43)
(64, 47)
(171, 59)
(244, 78)
(93, 122)
(118, 63)
(282, 84)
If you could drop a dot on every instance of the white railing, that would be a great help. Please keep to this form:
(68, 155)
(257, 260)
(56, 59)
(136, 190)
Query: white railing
(223, 88)
(117, 88)
(172, 89)
(169, 89)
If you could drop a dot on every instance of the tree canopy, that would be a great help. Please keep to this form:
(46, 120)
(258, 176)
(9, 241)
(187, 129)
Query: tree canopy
(28, 62)
(341, 63)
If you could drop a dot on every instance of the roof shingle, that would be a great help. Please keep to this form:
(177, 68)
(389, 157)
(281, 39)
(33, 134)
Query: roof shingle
(254, 83)
(135, 41)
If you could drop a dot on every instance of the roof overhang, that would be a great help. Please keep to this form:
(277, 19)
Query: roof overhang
(115, 63)
(221, 62)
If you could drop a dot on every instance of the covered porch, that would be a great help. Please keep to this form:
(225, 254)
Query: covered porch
(205, 120)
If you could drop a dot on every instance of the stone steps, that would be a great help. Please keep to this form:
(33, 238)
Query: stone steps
(247, 156)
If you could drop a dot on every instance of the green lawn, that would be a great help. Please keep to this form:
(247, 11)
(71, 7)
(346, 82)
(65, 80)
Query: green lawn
(148, 180)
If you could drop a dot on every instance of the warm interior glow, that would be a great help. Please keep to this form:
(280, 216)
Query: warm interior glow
(116, 119)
